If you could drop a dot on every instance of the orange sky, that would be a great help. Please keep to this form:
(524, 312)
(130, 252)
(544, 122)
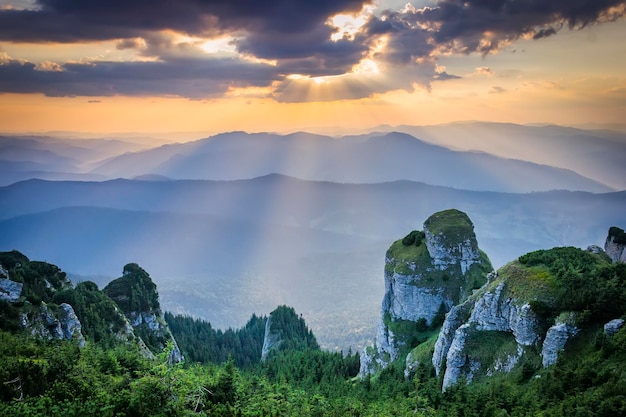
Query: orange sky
(572, 78)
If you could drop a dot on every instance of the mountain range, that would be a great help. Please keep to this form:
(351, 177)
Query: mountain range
(237, 223)
(473, 156)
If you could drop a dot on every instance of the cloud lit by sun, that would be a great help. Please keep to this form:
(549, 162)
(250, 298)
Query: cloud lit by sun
(347, 25)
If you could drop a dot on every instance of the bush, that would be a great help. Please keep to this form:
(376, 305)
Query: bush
(414, 238)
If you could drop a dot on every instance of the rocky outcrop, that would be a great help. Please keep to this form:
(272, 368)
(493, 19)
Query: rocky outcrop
(48, 322)
(492, 311)
(613, 326)
(455, 318)
(10, 290)
(426, 274)
(137, 297)
(615, 244)
(556, 338)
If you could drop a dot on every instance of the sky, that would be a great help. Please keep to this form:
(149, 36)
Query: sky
(157, 66)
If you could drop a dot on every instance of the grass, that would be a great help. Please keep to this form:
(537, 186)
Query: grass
(489, 346)
(526, 284)
(451, 223)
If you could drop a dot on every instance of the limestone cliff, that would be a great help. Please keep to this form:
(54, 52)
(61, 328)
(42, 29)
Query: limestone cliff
(527, 313)
(615, 244)
(426, 274)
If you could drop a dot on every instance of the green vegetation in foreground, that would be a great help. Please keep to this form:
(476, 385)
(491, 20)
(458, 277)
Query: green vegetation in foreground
(59, 379)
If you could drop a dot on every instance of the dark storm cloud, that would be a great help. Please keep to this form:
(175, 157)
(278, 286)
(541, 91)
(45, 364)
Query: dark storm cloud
(482, 26)
(81, 20)
(291, 33)
(183, 77)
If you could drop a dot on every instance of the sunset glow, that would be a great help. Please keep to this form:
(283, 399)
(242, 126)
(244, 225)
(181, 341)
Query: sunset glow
(347, 65)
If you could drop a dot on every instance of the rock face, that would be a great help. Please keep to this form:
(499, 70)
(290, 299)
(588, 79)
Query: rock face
(426, 274)
(271, 339)
(49, 323)
(10, 290)
(613, 326)
(615, 244)
(136, 296)
(493, 314)
(556, 338)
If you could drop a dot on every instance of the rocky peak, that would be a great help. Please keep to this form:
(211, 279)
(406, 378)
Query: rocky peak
(136, 295)
(426, 273)
(284, 329)
(615, 244)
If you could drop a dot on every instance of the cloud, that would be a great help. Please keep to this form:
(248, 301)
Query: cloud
(271, 40)
(483, 26)
(192, 78)
(85, 20)
(484, 71)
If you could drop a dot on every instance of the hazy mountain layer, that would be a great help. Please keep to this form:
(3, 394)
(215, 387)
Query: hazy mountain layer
(596, 154)
(369, 158)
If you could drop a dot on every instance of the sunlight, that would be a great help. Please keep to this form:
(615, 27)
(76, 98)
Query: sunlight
(347, 25)
(219, 45)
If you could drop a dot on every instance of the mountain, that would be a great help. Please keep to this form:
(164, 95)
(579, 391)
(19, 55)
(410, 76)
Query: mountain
(284, 330)
(538, 307)
(426, 274)
(223, 250)
(55, 158)
(369, 158)
(596, 154)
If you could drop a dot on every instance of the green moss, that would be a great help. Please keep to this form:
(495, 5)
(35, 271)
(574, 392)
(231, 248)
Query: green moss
(618, 235)
(423, 352)
(528, 284)
(453, 224)
(489, 347)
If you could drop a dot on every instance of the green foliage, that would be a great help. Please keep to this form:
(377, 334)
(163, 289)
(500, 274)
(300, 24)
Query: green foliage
(570, 279)
(453, 224)
(618, 235)
(294, 333)
(416, 237)
(200, 342)
(41, 280)
(134, 291)
(98, 315)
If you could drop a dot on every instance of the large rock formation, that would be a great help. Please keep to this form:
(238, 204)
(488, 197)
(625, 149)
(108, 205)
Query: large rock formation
(530, 310)
(426, 273)
(136, 295)
(615, 244)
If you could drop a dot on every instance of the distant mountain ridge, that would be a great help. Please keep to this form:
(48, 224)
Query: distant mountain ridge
(370, 158)
(476, 156)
